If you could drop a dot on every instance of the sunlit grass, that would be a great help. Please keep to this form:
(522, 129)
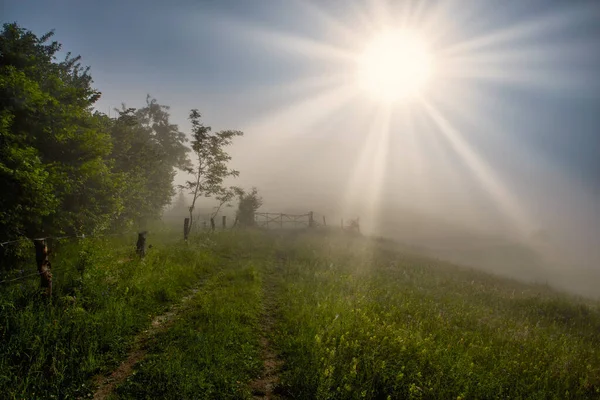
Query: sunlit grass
(357, 321)
(212, 350)
(103, 296)
(354, 318)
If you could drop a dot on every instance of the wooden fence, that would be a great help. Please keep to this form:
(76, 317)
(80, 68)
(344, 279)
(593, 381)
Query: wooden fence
(42, 252)
(281, 220)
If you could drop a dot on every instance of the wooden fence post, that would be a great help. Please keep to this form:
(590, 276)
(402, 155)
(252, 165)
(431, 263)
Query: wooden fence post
(324, 221)
(186, 228)
(212, 223)
(224, 222)
(280, 220)
(141, 244)
(43, 264)
(311, 222)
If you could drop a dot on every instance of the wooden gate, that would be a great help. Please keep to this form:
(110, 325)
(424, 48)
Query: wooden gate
(281, 220)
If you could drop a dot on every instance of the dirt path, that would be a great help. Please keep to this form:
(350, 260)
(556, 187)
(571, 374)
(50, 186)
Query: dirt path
(264, 387)
(107, 384)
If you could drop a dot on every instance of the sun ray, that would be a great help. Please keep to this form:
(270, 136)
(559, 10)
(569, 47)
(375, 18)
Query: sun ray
(331, 22)
(297, 90)
(547, 66)
(495, 188)
(442, 174)
(414, 153)
(302, 46)
(487, 55)
(526, 31)
(311, 108)
(367, 180)
(413, 12)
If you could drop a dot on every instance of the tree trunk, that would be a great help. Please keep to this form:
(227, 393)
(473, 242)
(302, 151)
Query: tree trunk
(141, 244)
(43, 264)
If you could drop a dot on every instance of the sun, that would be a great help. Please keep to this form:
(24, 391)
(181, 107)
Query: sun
(395, 65)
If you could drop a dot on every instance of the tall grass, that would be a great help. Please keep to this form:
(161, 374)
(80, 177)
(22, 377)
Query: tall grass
(359, 321)
(103, 295)
(212, 350)
(354, 318)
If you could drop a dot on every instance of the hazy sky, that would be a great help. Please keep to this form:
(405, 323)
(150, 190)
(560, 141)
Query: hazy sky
(509, 135)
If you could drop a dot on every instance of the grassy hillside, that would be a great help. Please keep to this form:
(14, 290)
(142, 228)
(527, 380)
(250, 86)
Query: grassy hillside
(357, 320)
(347, 317)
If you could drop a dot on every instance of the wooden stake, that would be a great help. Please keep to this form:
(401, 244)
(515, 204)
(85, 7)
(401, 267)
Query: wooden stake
(311, 222)
(224, 222)
(212, 223)
(43, 264)
(324, 221)
(186, 228)
(141, 244)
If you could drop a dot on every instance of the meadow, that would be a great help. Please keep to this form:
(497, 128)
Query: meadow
(349, 317)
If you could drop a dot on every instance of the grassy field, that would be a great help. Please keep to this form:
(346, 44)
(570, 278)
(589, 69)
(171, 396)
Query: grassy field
(103, 296)
(350, 318)
(357, 320)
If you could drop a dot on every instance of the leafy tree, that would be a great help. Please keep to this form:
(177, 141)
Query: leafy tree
(147, 150)
(249, 203)
(225, 196)
(53, 149)
(211, 159)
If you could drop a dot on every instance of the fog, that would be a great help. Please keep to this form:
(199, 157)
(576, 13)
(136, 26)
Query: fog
(498, 174)
(538, 224)
(493, 165)
(546, 234)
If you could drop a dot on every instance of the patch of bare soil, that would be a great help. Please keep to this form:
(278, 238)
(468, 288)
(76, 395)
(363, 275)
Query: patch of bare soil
(265, 386)
(107, 384)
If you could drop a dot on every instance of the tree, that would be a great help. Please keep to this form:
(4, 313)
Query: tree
(249, 203)
(225, 196)
(53, 149)
(211, 161)
(70, 169)
(147, 150)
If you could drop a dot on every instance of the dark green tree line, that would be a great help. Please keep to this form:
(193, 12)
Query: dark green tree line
(65, 168)
(53, 149)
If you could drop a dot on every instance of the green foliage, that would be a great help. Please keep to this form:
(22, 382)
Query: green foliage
(147, 149)
(53, 150)
(353, 318)
(103, 296)
(359, 321)
(247, 206)
(68, 169)
(212, 350)
(211, 167)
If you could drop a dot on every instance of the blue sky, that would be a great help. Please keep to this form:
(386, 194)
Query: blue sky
(246, 64)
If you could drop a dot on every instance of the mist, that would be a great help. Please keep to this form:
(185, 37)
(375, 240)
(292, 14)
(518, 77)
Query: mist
(379, 199)
(495, 166)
